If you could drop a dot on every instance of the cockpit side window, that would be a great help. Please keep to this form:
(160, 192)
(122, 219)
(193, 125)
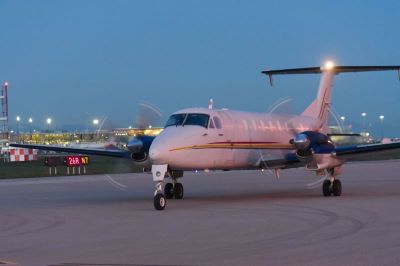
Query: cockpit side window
(197, 120)
(175, 120)
(217, 122)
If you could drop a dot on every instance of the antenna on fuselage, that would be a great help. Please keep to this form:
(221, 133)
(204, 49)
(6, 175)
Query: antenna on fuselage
(210, 103)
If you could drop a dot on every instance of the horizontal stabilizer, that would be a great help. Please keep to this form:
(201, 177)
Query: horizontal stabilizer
(335, 69)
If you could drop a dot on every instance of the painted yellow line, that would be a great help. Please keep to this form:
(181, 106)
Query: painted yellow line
(236, 146)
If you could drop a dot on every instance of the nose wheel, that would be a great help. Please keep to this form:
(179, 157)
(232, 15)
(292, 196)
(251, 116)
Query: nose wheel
(332, 187)
(159, 201)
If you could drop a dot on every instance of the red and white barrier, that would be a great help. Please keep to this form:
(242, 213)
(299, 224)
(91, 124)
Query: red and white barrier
(22, 155)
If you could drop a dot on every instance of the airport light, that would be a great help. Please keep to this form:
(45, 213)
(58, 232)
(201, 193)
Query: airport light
(30, 120)
(48, 122)
(96, 125)
(364, 115)
(18, 120)
(381, 117)
(343, 118)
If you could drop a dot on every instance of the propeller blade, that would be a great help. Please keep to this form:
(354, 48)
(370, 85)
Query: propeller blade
(147, 115)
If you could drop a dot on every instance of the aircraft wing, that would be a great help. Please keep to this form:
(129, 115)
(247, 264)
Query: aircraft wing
(366, 152)
(369, 152)
(100, 152)
(290, 161)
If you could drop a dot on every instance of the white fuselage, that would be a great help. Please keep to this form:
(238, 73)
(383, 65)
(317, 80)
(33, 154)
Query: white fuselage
(240, 141)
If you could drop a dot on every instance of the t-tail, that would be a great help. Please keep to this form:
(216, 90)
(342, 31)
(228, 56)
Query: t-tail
(319, 108)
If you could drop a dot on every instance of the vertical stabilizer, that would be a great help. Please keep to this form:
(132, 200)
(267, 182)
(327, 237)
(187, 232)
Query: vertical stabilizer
(319, 108)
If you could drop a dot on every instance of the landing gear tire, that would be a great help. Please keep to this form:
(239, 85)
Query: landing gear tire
(159, 202)
(336, 188)
(178, 191)
(326, 188)
(169, 190)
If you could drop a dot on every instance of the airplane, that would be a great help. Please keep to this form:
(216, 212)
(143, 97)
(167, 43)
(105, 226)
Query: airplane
(222, 139)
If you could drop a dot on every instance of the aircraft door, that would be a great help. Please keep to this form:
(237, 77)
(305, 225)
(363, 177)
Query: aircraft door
(225, 135)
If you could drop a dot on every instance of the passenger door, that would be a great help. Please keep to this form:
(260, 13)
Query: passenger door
(225, 136)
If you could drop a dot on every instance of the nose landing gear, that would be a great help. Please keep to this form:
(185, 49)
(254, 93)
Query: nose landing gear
(159, 202)
(159, 172)
(171, 190)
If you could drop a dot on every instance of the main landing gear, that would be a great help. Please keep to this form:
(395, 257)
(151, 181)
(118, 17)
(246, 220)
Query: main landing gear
(172, 190)
(332, 186)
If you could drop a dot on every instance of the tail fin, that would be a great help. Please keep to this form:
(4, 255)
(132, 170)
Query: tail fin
(319, 108)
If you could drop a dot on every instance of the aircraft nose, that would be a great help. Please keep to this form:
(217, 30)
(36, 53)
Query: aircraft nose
(154, 154)
(157, 155)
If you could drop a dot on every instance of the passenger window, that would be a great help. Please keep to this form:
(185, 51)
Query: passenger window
(217, 122)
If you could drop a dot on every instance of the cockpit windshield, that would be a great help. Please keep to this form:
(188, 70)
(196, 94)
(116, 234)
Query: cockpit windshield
(197, 120)
(188, 120)
(175, 120)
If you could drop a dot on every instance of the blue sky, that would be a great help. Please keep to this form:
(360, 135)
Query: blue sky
(76, 60)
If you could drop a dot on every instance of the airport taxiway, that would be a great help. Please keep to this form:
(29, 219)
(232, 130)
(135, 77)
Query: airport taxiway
(226, 218)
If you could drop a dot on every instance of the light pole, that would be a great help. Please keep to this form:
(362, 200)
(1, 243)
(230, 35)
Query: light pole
(381, 117)
(343, 118)
(18, 120)
(30, 120)
(364, 115)
(48, 122)
(96, 125)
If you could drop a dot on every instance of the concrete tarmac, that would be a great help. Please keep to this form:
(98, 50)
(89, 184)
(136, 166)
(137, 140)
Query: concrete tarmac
(226, 218)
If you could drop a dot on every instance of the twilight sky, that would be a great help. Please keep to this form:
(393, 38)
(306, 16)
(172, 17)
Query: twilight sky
(77, 60)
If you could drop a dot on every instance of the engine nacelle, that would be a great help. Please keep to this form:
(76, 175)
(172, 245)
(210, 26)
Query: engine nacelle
(140, 156)
(308, 143)
(139, 148)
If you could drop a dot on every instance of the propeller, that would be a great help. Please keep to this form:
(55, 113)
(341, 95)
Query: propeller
(147, 116)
